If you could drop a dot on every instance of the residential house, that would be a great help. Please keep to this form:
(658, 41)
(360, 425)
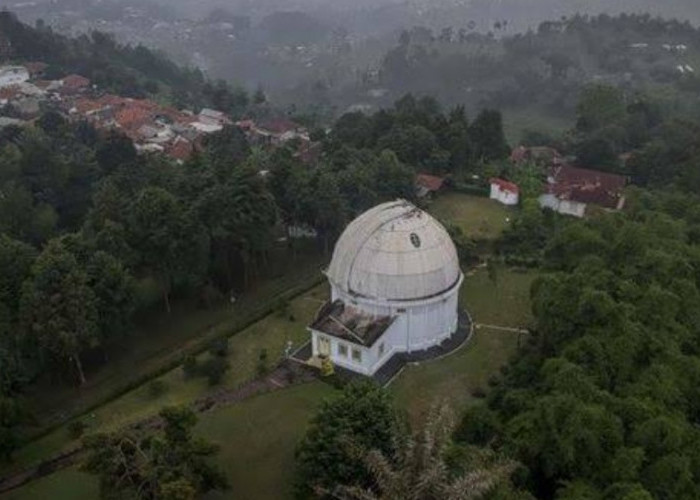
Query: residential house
(13, 75)
(504, 191)
(571, 190)
(428, 185)
(213, 117)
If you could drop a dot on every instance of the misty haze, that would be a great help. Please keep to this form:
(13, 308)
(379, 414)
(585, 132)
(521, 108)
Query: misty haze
(350, 249)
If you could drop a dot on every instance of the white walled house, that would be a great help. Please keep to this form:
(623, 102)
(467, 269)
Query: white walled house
(570, 190)
(395, 281)
(505, 192)
(13, 75)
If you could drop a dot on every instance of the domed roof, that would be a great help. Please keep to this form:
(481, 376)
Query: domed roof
(395, 251)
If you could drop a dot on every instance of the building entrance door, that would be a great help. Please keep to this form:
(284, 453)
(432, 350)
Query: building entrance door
(324, 347)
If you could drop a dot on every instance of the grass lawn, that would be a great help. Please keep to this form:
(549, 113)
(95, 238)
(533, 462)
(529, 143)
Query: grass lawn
(258, 438)
(479, 218)
(505, 303)
(271, 333)
(517, 120)
(69, 484)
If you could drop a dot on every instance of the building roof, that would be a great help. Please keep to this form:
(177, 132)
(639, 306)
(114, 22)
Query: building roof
(395, 252)
(505, 185)
(349, 323)
(75, 81)
(587, 186)
(279, 126)
(431, 183)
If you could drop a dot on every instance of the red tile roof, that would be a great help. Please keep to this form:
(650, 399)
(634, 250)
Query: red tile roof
(75, 82)
(430, 182)
(10, 92)
(587, 186)
(279, 126)
(36, 68)
(505, 185)
(180, 149)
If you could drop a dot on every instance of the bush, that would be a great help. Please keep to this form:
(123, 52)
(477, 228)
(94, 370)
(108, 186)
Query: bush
(478, 426)
(479, 392)
(214, 369)
(190, 366)
(157, 388)
(262, 367)
(219, 347)
(76, 429)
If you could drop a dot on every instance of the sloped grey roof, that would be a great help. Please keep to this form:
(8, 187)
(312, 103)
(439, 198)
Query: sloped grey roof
(395, 251)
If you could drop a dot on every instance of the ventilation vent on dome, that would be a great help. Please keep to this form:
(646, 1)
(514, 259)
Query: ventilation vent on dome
(415, 240)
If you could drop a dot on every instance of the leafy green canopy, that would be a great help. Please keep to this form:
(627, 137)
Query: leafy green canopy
(604, 399)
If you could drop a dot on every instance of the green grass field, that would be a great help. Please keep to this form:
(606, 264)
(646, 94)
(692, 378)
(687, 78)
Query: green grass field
(517, 120)
(271, 333)
(505, 303)
(479, 218)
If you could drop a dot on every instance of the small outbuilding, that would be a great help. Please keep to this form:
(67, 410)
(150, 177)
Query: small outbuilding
(505, 192)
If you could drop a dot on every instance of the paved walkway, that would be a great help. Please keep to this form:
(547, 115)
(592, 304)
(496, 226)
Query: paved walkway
(502, 328)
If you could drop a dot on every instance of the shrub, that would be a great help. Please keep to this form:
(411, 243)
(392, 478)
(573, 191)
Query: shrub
(190, 366)
(262, 367)
(214, 369)
(76, 429)
(479, 392)
(157, 388)
(219, 347)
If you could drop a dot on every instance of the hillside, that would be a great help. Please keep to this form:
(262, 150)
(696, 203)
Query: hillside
(130, 71)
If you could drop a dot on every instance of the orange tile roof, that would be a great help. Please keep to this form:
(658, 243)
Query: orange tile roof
(430, 182)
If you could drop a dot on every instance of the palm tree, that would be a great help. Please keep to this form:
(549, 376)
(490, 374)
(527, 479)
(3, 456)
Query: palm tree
(419, 470)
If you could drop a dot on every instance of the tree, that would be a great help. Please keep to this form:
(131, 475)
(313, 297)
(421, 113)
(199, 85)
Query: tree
(113, 288)
(114, 151)
(362, 417)
(16, 259)
(599, 106)
(488, 138)
(419, 471)
(171, 243)
(58, 307)
(171, 465)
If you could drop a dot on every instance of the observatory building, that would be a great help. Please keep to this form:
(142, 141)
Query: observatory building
(395, 281)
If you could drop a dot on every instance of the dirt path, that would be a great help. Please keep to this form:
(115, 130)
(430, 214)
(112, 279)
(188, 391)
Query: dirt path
(285, 375)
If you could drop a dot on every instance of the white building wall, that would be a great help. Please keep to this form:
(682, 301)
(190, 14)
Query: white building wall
(505, 197)
(418, 325)
(566, 207)
(13, 75)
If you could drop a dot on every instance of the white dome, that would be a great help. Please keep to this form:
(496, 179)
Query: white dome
(395, 252)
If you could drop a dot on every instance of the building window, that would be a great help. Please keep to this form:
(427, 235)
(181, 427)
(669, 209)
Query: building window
(343, 350)
(415, 240)
(357, 356)
(381, 349)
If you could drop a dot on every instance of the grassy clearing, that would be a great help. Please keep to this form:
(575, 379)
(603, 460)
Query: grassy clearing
(505, 303)
(258, 438)
(479, 218)
(69, 484)
(516, 121)
(272, 333)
